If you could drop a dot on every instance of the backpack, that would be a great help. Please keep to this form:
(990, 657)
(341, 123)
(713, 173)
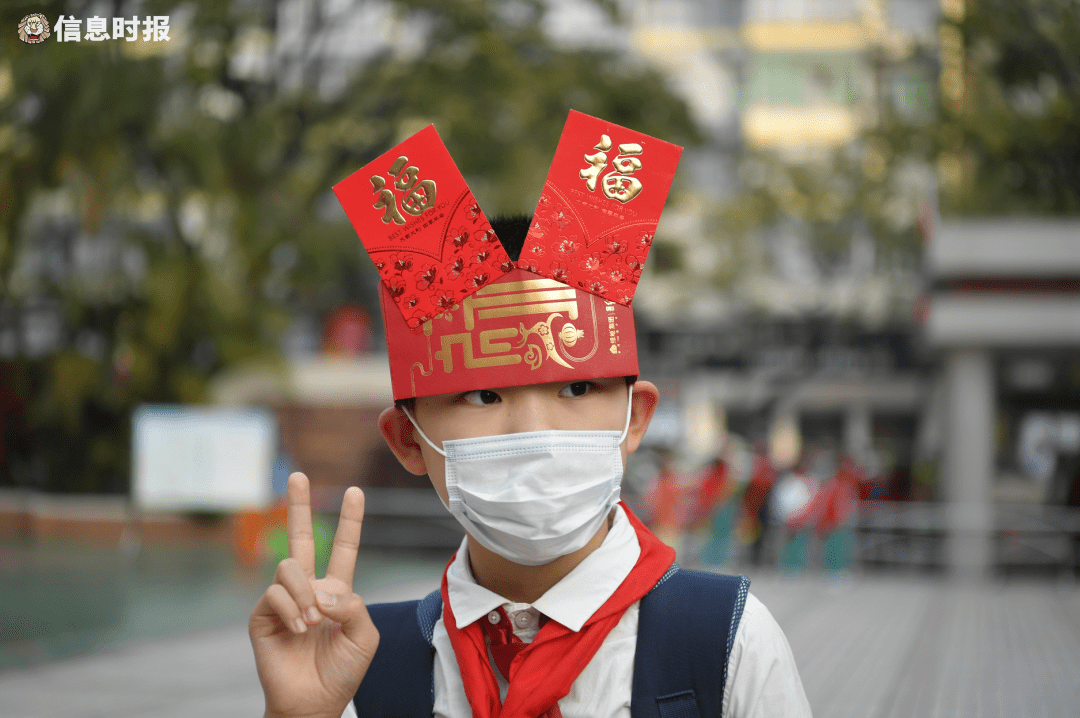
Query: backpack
(686, 627)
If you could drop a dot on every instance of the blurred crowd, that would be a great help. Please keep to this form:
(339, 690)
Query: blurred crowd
(739, 508)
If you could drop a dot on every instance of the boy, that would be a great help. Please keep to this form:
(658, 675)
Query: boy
(559, 601)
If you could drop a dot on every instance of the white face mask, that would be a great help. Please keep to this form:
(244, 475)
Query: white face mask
(534, 496)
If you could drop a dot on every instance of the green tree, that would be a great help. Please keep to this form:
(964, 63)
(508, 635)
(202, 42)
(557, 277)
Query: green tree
(165, 208)
(1009, 142)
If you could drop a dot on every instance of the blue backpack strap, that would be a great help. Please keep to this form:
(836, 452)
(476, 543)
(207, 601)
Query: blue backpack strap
(404, 663)
(686, 628)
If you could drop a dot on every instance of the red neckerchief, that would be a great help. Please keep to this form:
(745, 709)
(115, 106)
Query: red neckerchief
(542, 673)
(505, 646)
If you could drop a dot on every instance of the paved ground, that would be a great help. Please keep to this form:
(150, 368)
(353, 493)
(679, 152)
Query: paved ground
(870, 647)
(892, 647)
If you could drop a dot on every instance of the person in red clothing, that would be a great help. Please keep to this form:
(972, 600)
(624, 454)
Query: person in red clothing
(835, 528)
(754, 519)
(715, 489)
(714, 511)
(666, 502)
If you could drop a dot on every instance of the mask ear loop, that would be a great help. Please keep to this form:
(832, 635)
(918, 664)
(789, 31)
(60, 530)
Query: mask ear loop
(629, 411)
(417, 427)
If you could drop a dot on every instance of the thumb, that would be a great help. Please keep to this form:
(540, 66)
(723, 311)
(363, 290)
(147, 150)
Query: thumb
(349, 610)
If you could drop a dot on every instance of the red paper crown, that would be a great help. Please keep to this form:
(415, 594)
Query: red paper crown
(459, 314)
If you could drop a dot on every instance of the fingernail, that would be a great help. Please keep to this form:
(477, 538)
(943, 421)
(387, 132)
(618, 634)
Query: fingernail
(326, 599)
(312, 614)
(301, 627)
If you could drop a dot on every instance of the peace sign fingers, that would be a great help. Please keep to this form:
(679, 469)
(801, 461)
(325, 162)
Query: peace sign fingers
(347, 537)
(301, 535)
(313, 638)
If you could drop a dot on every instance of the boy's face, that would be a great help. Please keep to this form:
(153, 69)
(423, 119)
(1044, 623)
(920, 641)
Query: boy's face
(594, 405)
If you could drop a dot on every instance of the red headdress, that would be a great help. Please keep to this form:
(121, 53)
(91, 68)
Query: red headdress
(459, 314)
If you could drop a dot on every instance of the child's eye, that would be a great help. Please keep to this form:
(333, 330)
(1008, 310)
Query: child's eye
(578, 388)
(481, 397)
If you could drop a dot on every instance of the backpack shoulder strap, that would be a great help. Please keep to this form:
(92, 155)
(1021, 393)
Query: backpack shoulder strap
(403, 666)
(686, 628)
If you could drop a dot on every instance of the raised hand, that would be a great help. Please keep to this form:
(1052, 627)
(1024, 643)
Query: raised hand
(313, 638)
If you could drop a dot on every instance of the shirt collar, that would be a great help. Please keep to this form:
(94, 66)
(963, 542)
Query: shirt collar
(572, 600)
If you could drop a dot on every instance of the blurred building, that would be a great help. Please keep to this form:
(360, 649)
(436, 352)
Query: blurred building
(1005, 322)
(846, 387)
(833, 348)
(795, 81)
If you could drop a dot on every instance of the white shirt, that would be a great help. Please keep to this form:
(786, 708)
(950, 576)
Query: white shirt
(763, 681)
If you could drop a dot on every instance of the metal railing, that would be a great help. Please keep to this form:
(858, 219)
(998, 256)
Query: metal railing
(1022, 536)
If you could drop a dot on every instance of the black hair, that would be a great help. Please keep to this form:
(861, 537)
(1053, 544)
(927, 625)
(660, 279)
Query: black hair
(511, 230)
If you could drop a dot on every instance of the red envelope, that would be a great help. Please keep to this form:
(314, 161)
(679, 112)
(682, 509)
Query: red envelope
(602, 199)
(518, 329)
(426, 234)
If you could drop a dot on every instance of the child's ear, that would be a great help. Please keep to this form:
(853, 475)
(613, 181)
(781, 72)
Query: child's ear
(397, 431)
(645, 398)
